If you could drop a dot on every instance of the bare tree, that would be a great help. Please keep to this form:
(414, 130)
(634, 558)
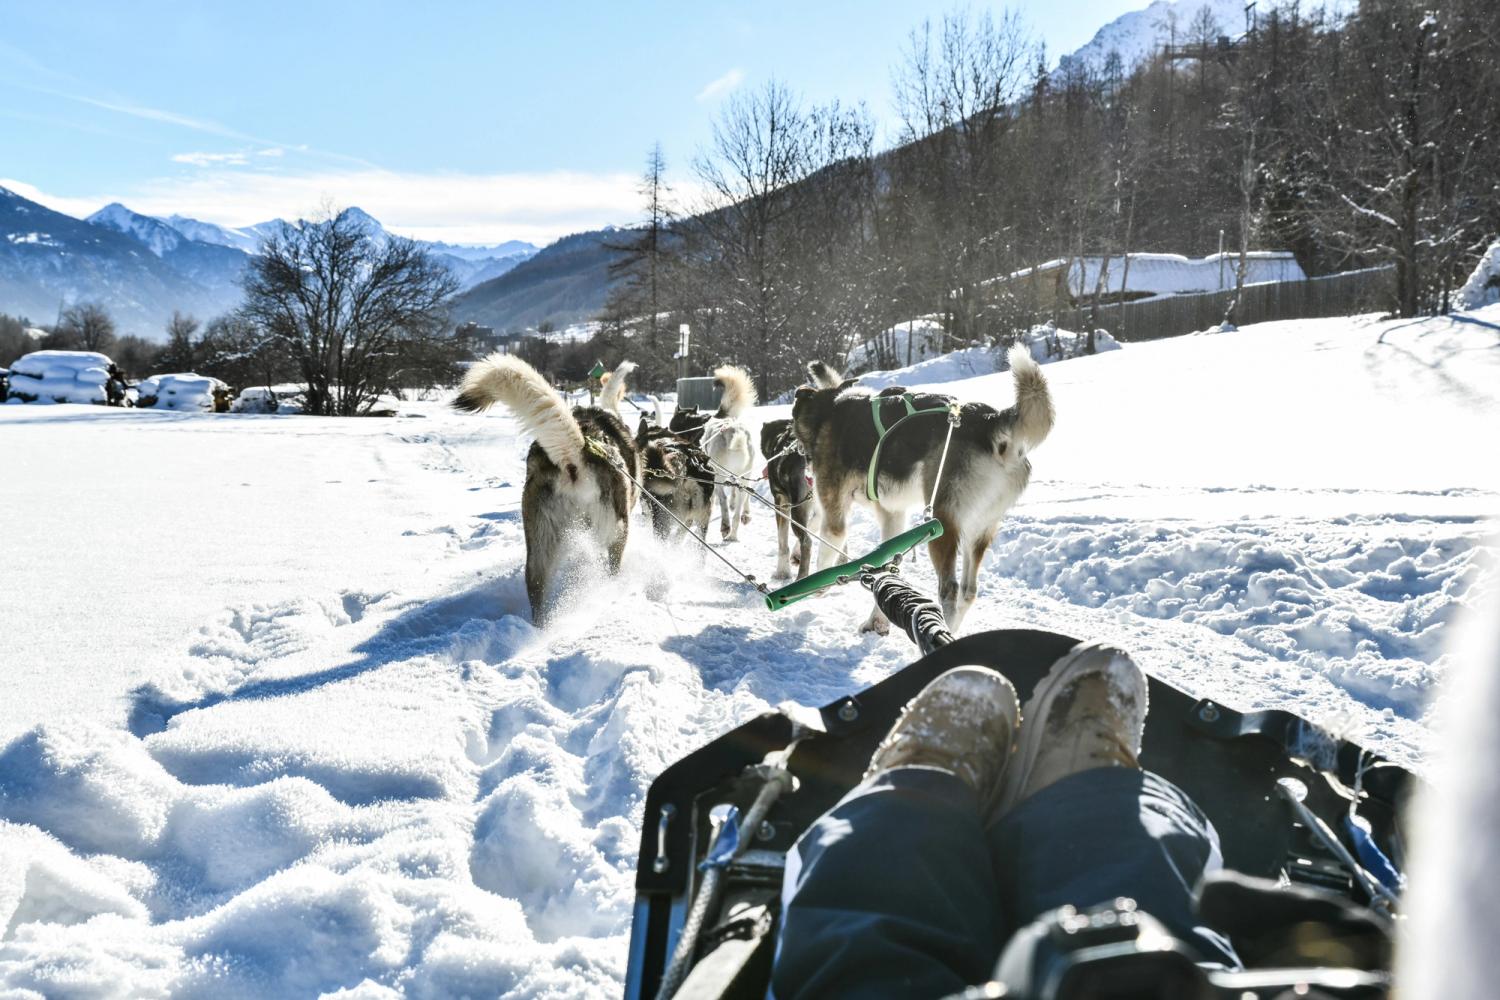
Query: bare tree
(83, 326)
(957, 89)
(179, 354)
(638, 299)
(1401, 142)
(237, 351)
(746, 249)
(357, 317)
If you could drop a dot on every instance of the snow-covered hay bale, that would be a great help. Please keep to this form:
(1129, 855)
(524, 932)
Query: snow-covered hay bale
(59, 377)
(256, 399)
(184, 391)
(1483, 287)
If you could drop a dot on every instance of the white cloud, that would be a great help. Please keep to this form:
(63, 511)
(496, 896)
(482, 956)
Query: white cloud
(273, 151)
(458, 208)
(76, 207)
(210, 159)
(721, 86)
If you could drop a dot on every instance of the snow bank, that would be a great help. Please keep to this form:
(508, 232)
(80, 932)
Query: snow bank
(185, 391)
(59, 377)
(1483, 287)
(330, 755)
(1046, 342)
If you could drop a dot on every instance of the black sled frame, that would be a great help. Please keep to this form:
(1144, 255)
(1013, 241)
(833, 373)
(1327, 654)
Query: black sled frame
(1230, 762)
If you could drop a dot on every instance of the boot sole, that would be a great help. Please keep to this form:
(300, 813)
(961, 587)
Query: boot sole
(1086, 658)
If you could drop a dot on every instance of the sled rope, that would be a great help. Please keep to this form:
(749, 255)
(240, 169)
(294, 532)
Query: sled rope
(728, 845)
(748, 578)
(739, 483)
(942, 459)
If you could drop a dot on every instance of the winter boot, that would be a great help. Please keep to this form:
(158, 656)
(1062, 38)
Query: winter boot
(1089, 711)
(963, 722)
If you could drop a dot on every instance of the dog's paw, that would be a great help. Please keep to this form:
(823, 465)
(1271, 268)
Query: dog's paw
(877, 623)
(745, 517)
(782, 573)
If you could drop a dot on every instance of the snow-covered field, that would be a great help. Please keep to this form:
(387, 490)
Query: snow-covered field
(274, 722)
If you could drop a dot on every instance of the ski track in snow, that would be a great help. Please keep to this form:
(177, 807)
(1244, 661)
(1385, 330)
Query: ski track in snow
(399, 787)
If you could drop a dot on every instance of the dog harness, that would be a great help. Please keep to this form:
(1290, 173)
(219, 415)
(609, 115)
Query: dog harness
(872, 491)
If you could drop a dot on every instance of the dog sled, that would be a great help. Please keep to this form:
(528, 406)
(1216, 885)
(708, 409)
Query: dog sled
(1291, 803)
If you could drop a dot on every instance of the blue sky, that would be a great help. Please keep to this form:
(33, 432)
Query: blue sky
(465, 121)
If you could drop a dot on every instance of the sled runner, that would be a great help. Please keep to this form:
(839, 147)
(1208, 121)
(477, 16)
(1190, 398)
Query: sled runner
(718, 823)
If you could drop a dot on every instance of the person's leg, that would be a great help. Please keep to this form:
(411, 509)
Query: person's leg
(1081, 824)
(1104, 833)
(890, 894)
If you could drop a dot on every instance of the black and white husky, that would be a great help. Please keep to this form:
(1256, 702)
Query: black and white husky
(678, 478)
(581, 470)
(987, 467)
(792, 492)
(727, 441)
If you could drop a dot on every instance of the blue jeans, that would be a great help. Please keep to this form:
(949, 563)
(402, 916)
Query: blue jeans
(901, 890)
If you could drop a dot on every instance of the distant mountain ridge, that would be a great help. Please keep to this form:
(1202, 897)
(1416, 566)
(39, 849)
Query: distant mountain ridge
(1137, 34)
(567, 282)
(142, 267)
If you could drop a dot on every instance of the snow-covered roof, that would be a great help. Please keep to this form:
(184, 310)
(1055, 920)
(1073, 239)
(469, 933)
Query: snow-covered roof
(1168, 273)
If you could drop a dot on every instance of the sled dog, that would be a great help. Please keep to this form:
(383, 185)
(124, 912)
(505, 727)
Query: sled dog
(677, 475)
(579, 472)
(687, 423)
(987, 467)
(791, 491)
(727, 441)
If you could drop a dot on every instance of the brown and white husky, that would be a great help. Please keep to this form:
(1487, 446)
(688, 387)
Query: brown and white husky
(580, 473)
(987, 467)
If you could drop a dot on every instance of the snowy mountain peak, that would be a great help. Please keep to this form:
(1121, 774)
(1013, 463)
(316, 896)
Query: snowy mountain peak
(1137, 34)
(245, 239)
(158, 237)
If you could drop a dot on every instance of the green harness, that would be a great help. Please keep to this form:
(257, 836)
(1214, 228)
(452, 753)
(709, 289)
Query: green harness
(872, 491)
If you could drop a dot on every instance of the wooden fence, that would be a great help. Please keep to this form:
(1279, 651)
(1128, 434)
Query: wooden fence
(1369, 290)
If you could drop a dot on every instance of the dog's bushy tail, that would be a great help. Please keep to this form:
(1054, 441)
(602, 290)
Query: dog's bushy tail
(824, 375)
(1034, 412)
(541, 412)
(614, 387)
(739, 391)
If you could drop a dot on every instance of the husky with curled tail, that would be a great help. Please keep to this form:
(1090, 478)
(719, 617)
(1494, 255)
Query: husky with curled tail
(986, 470)
(727, 442)
(580, 473)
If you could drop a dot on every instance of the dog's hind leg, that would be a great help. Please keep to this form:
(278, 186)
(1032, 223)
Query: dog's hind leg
(783, 550)
(803, 512)
(969, 590)
(721, 495)
(739, 515)
(944, 553)
(540, 553)
(834, 525)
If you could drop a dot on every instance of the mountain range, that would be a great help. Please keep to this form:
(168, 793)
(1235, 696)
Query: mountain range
(143, 267)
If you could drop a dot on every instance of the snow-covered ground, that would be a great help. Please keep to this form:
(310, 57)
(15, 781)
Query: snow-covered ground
(274, 722)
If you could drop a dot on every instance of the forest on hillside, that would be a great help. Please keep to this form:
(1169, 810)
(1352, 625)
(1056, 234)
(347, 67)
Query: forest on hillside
(1357, 141)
